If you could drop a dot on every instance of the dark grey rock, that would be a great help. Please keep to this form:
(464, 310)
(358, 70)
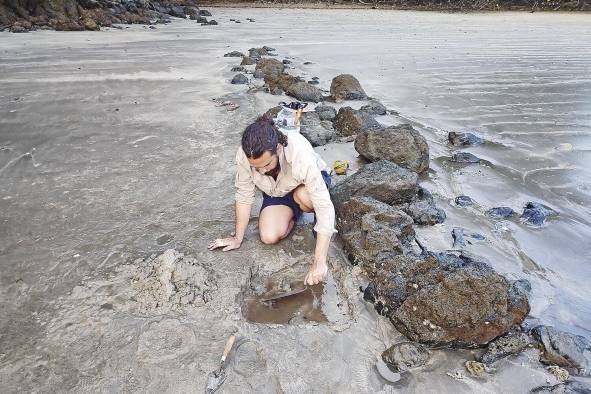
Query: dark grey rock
(286, 61)
(346, 87)
(204, 13)
(201, 19)
(326, 112)
(374, 107)
(401, 144)
(422, 209)
(464, 201)
(535, 213)
(239, 79)
(212, 22)
(305, 92)
(459, 236)
(382, 180)
(313, 82)
(568, 387)
(234, 54)
(405, 355)
(307, 63)
(268, 48)
(257, 52)
(258, 74)
(350, 122)
(464, 139)
(316, 131)
(369, 294)
(238, 69)
(464, 157)
(193, 12)
(177, 11)
(19, 29)
(500, 212)
(446, 299)
(510, 344)
(563, 349)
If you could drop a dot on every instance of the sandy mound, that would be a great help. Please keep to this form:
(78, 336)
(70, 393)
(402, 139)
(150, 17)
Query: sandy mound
(171, 281)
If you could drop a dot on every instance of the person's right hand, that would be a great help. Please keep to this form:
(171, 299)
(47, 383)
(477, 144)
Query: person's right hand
(225, 243)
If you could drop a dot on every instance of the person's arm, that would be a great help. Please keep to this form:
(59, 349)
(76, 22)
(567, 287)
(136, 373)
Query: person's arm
(306, 168)
(319, 269)
(244, 198)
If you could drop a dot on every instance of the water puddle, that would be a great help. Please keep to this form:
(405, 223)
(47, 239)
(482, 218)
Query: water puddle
(318, 303)
(304, 306)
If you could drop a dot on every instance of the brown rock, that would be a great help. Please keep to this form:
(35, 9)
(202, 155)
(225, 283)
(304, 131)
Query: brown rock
(350, 122)
(401, 144)
(90, 24)
(448, 300)
(369, 228)
(271, 68)
(346, 87)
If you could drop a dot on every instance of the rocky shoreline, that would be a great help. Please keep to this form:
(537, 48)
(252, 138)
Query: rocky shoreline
(75, 15)
(434, 298)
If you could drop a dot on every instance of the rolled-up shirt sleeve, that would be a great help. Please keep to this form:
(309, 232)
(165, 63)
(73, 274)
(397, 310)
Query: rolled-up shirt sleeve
(309, 173)
(244, 183)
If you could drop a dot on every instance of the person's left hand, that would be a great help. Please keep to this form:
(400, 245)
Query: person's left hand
(317, 273)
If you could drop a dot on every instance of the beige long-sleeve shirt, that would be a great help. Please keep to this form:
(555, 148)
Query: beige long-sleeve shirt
(300, 164)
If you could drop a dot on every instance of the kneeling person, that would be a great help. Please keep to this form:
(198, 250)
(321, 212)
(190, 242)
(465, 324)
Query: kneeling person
(293, 179)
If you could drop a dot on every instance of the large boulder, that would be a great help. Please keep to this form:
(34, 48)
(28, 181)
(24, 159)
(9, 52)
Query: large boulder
(271, 68)
(316, 131)
(350, 122)
(382, 180)
(304, 91)
(281, 82)
(401, 144)
(563, 349)
(346, 87)
(447, 300)
(370, 228)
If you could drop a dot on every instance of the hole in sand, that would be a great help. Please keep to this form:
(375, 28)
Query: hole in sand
(318, 303)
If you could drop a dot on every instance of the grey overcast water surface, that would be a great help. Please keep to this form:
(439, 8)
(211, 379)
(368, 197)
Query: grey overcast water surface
(111, 149)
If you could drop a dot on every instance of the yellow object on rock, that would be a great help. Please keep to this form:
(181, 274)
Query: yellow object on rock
(340, 167)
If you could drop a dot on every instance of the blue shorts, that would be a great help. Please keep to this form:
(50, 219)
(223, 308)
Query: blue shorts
(289, 201)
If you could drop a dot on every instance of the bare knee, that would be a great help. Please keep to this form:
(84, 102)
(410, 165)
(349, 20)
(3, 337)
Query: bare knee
(302, 198)
(269, 237)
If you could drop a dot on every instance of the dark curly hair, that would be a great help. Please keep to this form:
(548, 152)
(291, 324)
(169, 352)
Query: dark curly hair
(262, 136)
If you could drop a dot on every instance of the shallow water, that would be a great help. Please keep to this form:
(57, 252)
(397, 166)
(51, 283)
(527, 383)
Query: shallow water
(111, 148)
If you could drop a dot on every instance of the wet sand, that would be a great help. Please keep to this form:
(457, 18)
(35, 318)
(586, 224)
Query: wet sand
(111, 149)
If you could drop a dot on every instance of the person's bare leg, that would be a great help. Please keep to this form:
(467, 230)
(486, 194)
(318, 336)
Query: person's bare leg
(302, 198)
(275, 223)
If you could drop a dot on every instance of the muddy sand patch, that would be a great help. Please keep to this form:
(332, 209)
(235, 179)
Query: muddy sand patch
(324, 302)
(171, 281)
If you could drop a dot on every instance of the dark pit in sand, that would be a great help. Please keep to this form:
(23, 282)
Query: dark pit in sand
(318, 303)
(305, 306)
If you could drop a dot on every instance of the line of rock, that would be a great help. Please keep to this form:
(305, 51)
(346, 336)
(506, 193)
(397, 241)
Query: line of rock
(21, 16)
(433, 298)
